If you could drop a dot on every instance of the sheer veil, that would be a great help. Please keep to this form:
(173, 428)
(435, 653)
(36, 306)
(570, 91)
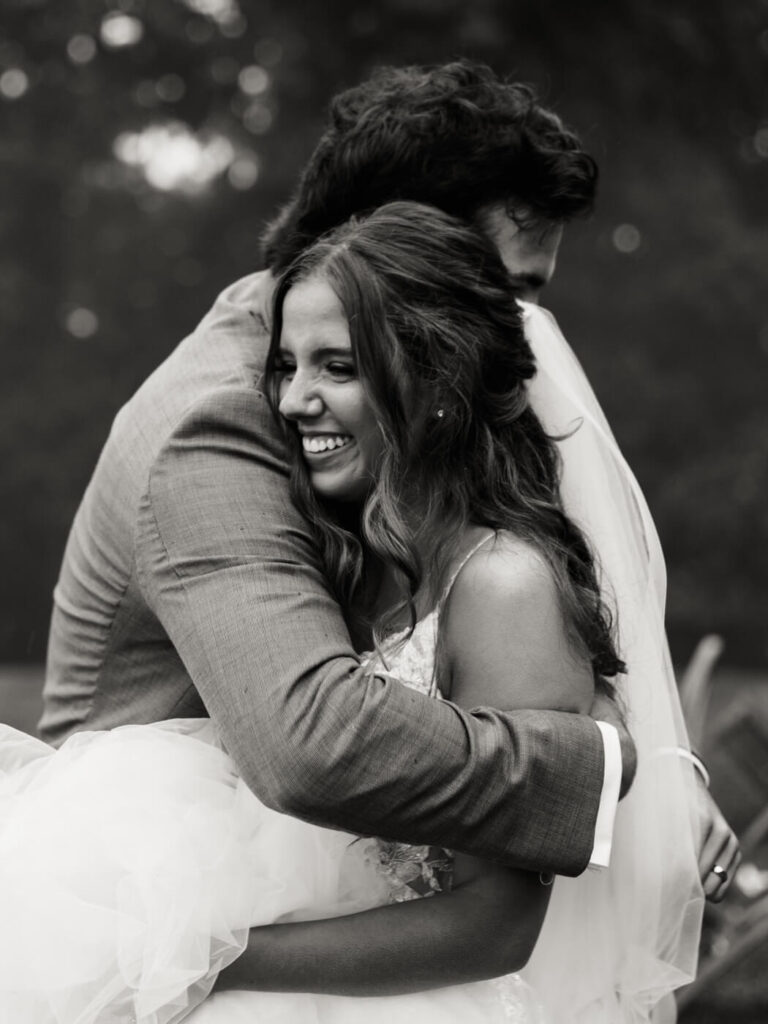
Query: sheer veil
(637, 924)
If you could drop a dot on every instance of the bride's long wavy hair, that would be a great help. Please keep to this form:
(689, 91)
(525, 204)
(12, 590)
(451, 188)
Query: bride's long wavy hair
(438, 343)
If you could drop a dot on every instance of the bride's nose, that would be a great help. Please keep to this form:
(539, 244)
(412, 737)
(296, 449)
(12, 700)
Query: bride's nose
(299, 398)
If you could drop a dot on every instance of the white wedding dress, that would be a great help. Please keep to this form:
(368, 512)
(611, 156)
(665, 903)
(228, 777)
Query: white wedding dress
(133, 862)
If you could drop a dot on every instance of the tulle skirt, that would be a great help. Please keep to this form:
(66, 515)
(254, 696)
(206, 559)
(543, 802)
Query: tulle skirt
(132, 864)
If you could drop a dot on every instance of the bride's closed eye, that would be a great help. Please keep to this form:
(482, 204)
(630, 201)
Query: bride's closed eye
(341, 371)
(338, 370)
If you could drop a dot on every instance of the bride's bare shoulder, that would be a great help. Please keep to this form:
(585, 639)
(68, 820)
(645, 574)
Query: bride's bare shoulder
(505, 631)
(507, 569)
(508, 562)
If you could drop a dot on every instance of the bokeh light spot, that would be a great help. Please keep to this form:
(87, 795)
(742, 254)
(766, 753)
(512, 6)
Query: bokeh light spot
(752, 880)
(82, 322)
(244, 172)
(198, 31)
(13, 84)
(747, 151)
(223, 12)
(81, 49)
(253, 80)
(257, 119)
(170, 88)
(119, 30)
(761, 142)
(235, 28)
(171, 157)
(145, 93)
(626, 238)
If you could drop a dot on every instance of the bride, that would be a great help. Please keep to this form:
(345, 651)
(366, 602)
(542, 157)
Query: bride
(428, 457)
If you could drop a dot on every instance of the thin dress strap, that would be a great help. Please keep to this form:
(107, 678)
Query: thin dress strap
(454, 575)
(445, 595)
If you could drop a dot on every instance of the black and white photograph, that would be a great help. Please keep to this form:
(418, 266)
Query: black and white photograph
(384, 432)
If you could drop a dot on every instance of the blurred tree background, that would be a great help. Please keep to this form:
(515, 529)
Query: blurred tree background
(145, 142)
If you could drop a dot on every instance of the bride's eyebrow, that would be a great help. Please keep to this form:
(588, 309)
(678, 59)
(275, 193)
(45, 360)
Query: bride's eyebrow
(336, 350)
(330, 351)
(324, 352)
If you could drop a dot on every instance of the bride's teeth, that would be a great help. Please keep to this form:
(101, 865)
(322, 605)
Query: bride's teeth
(324, 444)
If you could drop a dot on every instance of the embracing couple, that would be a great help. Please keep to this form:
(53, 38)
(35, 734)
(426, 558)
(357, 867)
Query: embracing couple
(359, 633)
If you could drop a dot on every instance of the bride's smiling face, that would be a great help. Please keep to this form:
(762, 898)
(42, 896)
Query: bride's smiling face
(320, 392)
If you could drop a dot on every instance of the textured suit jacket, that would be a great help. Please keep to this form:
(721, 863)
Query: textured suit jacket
(191, 586)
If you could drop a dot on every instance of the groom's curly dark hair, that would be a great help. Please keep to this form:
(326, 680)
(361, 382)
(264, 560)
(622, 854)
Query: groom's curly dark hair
(454, 136)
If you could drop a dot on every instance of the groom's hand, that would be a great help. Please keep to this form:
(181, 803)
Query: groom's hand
(605, 709)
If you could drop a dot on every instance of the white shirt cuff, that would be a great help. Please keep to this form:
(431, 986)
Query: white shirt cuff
(609, 797)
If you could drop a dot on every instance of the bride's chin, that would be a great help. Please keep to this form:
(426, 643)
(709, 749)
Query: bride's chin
(345, 485)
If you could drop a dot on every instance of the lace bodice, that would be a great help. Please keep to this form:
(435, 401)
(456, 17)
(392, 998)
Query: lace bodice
(411, 659)
(411, 872)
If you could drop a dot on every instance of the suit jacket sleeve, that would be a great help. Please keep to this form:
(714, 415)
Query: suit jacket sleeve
(230, 569)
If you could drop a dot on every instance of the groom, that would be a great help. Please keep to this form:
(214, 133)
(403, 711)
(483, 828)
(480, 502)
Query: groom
(190, 584)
